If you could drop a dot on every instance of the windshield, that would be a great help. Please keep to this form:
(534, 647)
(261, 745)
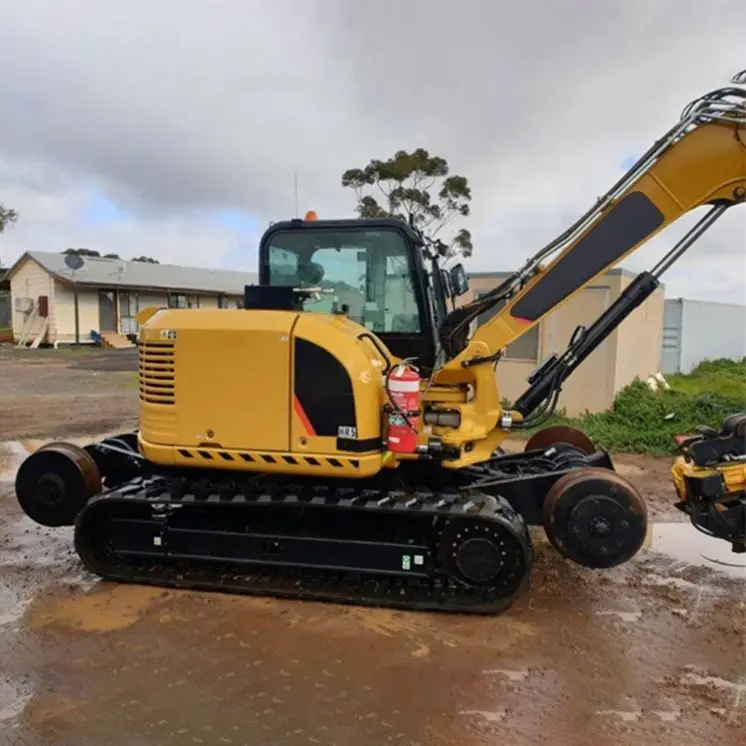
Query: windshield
(366, 272)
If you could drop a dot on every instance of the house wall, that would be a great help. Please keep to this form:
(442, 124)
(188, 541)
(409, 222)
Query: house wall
(88, 308)
(64, 329)
(31, 280)
(630, 351)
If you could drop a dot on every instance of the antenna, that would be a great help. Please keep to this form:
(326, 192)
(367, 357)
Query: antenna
(295, 181)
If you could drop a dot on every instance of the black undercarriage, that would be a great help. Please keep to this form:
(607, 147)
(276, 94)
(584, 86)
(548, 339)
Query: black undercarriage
(418, 537)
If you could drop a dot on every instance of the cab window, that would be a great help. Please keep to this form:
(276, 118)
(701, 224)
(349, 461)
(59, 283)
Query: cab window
(365, 274)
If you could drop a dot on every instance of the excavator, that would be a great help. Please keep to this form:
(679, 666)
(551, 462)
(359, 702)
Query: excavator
(340, 436)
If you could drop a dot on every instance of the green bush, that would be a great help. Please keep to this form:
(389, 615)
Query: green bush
(645, 421)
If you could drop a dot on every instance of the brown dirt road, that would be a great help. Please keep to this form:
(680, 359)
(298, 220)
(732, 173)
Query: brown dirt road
(653, 652)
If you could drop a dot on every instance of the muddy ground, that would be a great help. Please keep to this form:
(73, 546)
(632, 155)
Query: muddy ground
(653, 652)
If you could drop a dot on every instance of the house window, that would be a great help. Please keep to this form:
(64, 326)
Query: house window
(182, 300)
(129, 305)
(526, 347)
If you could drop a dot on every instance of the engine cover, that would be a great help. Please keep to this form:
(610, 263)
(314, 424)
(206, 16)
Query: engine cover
(261, 389)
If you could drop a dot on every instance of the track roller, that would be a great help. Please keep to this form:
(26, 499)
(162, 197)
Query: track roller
(550, 436)
(55, 482)
(595, 517)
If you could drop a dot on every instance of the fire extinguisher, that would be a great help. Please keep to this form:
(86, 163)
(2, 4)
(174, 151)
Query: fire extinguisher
(402, 411)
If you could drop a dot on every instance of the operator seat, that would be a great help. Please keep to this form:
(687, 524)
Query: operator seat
(311, 273)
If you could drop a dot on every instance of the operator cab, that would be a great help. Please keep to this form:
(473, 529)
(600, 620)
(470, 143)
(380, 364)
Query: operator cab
(373, 271)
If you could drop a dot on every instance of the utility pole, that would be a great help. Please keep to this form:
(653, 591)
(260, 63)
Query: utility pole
(295, 181)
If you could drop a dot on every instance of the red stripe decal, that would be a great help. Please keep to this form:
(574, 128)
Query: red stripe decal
(303, 417)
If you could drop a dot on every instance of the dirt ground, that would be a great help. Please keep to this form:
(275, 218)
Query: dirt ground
(653, 652)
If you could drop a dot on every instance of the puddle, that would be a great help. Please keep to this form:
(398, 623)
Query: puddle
(12, 604)
(12, 453)
(682, 542)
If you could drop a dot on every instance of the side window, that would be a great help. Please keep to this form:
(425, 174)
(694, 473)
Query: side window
(283, 266)
(402, 313)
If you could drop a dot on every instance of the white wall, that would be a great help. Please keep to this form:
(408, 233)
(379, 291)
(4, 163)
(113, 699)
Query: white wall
(30, 281)
(711, 330)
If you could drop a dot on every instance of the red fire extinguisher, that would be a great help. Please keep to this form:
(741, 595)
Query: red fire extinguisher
(403, 409)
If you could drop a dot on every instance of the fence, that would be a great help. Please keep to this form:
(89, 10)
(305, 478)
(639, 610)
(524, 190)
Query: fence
(5, 311)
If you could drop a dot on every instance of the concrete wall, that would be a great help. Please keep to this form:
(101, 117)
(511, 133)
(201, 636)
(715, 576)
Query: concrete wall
(632, 351)
(701, 330)
(31, 280)
(639, 339)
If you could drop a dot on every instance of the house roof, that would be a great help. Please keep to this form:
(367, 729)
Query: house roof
(102, 272)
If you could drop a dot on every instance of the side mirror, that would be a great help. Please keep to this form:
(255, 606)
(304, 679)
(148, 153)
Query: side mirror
(459, 280)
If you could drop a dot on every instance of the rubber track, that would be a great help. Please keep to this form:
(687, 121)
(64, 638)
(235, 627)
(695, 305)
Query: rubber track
(438, 592)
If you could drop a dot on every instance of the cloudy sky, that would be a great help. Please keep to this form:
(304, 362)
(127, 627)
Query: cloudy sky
(173, 128)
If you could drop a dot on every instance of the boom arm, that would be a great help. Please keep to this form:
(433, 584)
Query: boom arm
(701, 160)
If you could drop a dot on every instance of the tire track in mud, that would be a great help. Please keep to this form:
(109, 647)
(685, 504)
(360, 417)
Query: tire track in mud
(644, 653)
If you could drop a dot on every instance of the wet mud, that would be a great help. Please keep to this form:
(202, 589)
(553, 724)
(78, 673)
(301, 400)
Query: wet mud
(651, 653)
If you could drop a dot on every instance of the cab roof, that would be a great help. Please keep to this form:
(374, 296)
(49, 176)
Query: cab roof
(335, 224)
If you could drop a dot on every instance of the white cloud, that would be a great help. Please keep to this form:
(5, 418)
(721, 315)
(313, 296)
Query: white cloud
(178, 105)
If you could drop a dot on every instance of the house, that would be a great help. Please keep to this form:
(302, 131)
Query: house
(696, 330)
(632, 351)
(110, 293)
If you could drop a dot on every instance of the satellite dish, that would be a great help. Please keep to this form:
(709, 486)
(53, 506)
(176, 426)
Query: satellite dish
(74, 261)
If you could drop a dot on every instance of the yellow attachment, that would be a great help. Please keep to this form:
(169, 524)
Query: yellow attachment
(733, 476)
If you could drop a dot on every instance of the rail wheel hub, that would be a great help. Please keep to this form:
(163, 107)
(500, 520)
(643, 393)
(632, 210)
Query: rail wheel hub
(595, 517)
(50, 490)
(55, 482)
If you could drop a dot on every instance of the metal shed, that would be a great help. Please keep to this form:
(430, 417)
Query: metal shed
(696, 330)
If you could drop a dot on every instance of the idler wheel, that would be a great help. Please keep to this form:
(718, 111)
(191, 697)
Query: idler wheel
(595, 517)
(55, 482)
(549, 436)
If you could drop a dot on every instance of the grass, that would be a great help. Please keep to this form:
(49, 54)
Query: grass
(645, 421)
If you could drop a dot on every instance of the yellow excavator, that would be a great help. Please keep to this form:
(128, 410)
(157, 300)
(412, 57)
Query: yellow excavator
(338, 437)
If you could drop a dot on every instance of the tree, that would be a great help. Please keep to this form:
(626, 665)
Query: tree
(82, 252)
(406, 183)
(7, 217)
(147, 259)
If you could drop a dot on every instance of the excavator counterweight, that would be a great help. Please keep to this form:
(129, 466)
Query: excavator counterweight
(340, 437)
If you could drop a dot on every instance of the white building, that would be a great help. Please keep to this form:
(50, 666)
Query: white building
(696, 330)
(110, 293)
